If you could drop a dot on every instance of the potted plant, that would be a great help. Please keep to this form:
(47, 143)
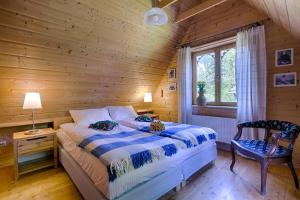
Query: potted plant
(201, 100)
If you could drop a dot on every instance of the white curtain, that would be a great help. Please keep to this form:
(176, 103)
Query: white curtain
(251, 77)
(185, 85)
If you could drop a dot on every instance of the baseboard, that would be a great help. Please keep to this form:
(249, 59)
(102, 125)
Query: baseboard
(223, 146)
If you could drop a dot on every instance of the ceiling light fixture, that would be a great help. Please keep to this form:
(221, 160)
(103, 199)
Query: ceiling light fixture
(155, 16)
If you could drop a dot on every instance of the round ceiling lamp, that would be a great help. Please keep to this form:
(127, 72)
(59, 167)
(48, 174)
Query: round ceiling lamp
(155, 16)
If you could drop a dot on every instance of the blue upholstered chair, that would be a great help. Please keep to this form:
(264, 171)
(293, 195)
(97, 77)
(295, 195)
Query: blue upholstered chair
(267, 151)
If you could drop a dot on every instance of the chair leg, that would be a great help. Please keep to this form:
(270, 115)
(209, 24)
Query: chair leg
(292, 169)
(233, 157)
(264, 170)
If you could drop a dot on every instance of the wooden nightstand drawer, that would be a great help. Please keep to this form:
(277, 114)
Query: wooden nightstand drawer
(35, 144)
(148, 112)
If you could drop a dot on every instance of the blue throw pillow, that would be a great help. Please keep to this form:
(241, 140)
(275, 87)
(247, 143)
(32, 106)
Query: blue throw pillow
(106, 125)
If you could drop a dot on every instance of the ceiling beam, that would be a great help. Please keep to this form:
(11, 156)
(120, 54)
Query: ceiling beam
(165, 3)
(198, 9)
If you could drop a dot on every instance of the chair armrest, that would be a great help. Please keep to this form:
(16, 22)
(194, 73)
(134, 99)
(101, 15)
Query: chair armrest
(274, 144)
(254, 124)
(238, 134)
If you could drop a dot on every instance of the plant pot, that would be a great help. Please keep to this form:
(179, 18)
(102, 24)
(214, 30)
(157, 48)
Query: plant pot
(201, 100)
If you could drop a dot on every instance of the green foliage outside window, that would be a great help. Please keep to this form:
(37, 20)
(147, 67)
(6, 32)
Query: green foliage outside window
(228, 83)
(206, 74)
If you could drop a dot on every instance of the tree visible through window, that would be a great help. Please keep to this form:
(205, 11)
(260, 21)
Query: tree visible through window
(206, 73)
(216, 67)
(228, 86)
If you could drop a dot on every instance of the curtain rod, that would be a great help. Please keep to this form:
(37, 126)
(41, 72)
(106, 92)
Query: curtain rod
(258, 23)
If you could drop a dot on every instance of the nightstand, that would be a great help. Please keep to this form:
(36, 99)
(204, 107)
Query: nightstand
(34, 152)
(144, 111)
(153, 116)
(148, 112)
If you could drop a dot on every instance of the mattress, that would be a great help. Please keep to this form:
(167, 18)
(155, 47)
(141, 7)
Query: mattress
(96, 171)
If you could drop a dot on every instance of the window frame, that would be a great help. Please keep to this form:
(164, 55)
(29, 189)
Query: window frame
(218, 81)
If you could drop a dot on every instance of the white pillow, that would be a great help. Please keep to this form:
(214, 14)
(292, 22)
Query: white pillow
(89, 116)
(121, 112)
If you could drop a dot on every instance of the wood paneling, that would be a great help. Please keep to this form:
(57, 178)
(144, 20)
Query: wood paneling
(282, 103)
(225, 17)
(80, 54)
(231, 14)
(167, 105)
(284, 12)
(92, 53)
(200, 8)
(165, 3)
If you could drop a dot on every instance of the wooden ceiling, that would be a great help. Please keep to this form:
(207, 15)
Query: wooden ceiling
(80, 53)
(285, 13)
(87, 53)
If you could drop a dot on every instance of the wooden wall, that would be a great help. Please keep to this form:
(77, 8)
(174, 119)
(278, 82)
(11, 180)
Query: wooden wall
(282, 103)
(228, 16)
(88, 53)
(223, 18)
(79, 54)
(167, 106)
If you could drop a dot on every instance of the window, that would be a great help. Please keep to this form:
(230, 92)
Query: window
(216, 67)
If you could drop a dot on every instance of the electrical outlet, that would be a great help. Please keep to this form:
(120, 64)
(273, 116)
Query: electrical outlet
(3, 143)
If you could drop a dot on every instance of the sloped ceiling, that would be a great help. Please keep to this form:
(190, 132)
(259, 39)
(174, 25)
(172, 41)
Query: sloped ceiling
(88, 53)
(80, 53)
(285, 13)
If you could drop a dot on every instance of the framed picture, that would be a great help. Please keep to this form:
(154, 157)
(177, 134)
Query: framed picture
(172, 74)
(172, 87)
(284, 57)
(285, 79)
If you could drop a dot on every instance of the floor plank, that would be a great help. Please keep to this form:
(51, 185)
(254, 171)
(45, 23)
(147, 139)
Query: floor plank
(215, 182)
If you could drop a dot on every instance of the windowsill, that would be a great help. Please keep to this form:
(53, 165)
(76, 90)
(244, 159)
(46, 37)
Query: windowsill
(212, 106)
(216, 111)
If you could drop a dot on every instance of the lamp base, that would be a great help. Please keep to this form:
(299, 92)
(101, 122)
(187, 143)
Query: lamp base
(32, 132)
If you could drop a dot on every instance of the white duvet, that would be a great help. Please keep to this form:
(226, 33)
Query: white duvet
(70, 134)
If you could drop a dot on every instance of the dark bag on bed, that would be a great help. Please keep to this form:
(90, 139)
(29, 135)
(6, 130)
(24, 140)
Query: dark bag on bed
(143, 118)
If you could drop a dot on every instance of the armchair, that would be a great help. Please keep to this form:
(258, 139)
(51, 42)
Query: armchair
(267, 151)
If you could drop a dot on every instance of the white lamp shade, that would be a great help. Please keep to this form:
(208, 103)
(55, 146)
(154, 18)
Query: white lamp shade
(148, 97)
(32, 101)
(155, 16)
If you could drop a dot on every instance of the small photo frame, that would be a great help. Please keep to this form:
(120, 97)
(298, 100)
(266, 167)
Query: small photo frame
(285, 79)
(284, 57)
(172, 87)
(172, 74)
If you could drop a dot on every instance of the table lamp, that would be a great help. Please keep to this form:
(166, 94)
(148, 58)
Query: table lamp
(32, 101)
(148, 98)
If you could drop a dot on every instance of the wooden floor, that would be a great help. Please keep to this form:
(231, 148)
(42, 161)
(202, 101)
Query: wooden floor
(217, 182)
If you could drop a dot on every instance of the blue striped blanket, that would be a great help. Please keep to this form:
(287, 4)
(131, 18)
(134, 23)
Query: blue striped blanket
(123, 152)
(191, 135)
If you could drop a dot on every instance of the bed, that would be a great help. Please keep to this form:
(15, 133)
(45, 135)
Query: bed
(150, 181)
